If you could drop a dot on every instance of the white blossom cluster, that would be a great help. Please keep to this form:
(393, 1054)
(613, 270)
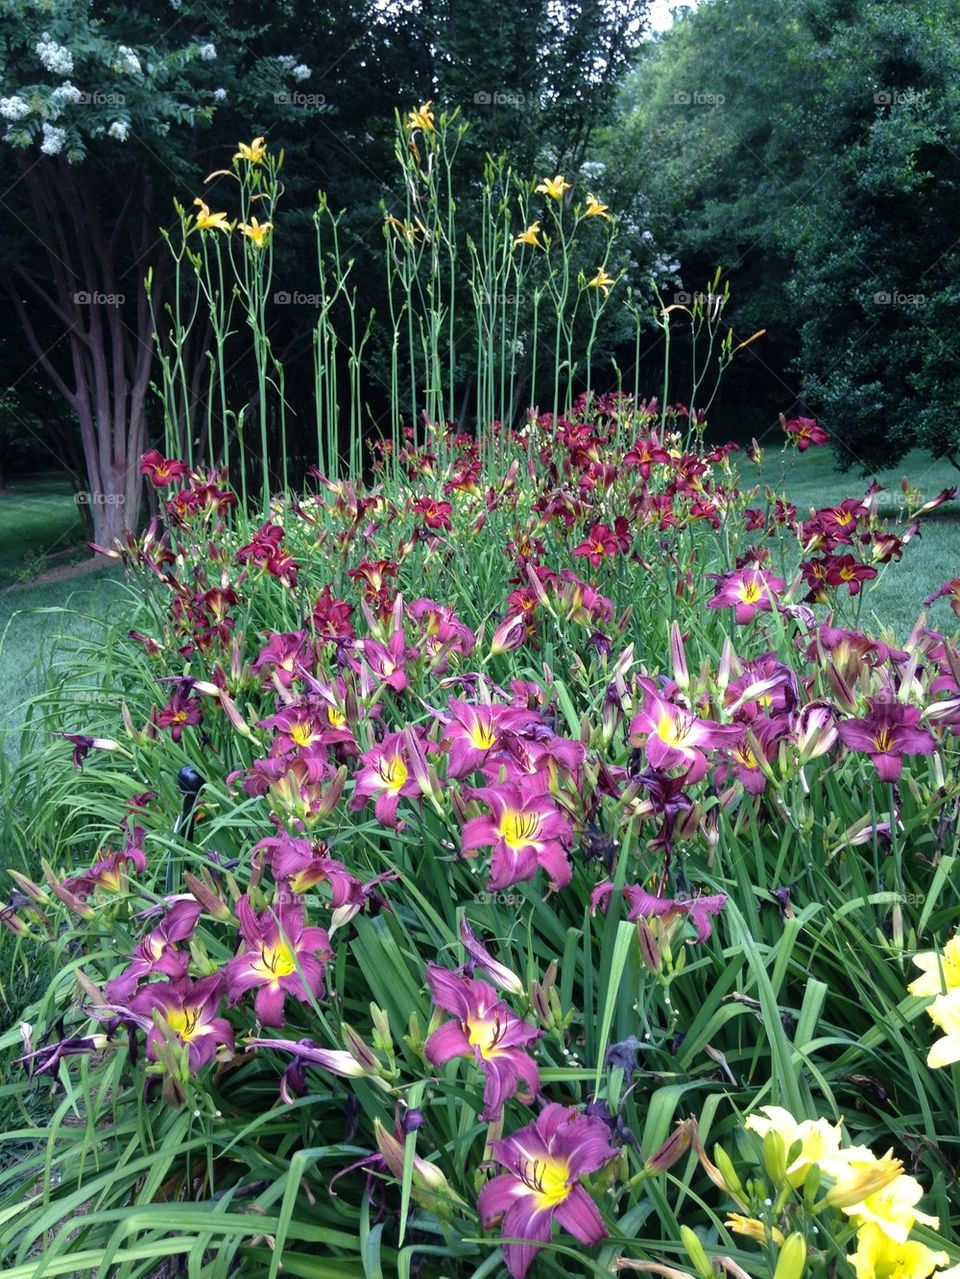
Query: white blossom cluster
(67, 94)
(128, 60)
(15, 108)
(298, 70)
(120, 129)
(208, 52)
(53, 139)
(55, 57)
(219, 95)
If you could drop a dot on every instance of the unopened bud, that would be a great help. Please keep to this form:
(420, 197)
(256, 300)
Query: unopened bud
(650, 951)
(695, 1251)
(774, 1157)
(206, 894)
(359, 1051)
(674, 1148)
(793, 1258)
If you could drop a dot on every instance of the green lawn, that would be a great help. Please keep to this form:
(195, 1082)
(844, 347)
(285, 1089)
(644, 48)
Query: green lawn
(39, 520)
(896, 597)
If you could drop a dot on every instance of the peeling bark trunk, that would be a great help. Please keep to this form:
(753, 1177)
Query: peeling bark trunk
(95, 291)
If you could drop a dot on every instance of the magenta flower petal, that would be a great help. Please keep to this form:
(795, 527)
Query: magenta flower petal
(447, 1042)
(580, 1217)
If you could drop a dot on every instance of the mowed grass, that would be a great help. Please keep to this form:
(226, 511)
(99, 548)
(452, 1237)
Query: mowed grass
(38, 518)
(895, 598)
(38, 620)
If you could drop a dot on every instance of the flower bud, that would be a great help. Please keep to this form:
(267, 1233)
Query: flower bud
(649, 947)
(674, 1148)
(774, 1157)
(793, 1258)
(695, 1251)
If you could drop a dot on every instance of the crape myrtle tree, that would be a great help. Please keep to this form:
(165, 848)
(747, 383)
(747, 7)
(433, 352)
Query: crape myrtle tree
(111, 112)
(812, 151)
(106, 108)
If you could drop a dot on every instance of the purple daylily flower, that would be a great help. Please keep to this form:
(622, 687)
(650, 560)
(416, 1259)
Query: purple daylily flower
(672, 736)
(188, 1012)
(281, 956)
(886, 734)
(158, 952)
(646, 905)
(486, 1029)
(544, 1163)
(525, 830)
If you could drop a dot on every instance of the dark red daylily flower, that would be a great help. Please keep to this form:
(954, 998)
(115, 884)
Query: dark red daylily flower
(179, 712)
(162, 470)
(805, 431)
(844, 570)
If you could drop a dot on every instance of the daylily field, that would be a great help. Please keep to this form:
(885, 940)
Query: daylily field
(508, 852)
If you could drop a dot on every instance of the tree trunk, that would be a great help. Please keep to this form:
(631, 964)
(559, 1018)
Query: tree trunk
(105, 315)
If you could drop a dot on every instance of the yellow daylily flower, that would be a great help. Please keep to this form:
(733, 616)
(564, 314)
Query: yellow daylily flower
(944, 1012)
(601, 281)
(818, 1139)
(253, 152)
(932, 964)
(410, 231)
(207, 221)
(595, 209)
(753, 1228)
(256, 231)
(553, 187)
(530, 236)
(421, 117)
(858, 1174)
(880, 1257)
(894, 1209)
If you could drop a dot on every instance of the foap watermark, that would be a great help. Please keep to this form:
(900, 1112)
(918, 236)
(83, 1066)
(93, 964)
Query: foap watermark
(282, 298)
(498, 98)
(894, 298)
(501, 899)
(294, 98)
(505, 299)
(682, 298)
(894, 97)
(96, 98)
(83, 498)
(99, 299)
(698, 98)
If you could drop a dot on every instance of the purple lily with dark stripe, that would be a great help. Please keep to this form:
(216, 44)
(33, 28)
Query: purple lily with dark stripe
(886, 734)
(158, 952)
(282, 957)
(486, 1029)
(544, 1164)
(187, 1012)
(646, 905)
